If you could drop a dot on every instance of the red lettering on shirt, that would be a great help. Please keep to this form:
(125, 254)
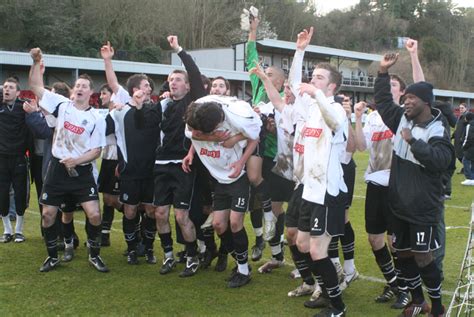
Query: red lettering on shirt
(213, 154)
(74, 129)
(312, 132)
(299, 148)
(379, 136)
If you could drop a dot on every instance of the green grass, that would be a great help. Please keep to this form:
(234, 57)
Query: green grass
(76, 289)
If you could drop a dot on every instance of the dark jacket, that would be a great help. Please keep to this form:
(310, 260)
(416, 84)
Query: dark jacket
(468, 143)
(40, 130)
(458, 136)
(415, 186)
(174, 145)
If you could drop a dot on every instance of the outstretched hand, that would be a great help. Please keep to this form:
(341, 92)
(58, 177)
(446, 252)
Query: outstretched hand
(257, 70)
(36, 55)
(107, 51)
(138, 98)
(359, 109)
(388, 61)
(173, 40)
(304, 38)
(412, 46)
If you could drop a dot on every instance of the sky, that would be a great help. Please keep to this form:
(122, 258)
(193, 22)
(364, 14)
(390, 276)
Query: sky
(325, 6)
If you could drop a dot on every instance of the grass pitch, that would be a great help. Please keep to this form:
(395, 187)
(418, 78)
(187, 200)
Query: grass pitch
(75, 288)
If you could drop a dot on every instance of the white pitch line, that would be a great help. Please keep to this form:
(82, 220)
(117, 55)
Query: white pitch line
(362, 277)
(36, 213)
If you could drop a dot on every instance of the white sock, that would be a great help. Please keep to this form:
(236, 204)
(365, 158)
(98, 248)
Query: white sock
(258, 231)
(276, 249)
(243, 268)
(349, 266)
(7, 225)
(336, 260)
(268, 216)
(19, 224)
(201, 246)
(169, 254)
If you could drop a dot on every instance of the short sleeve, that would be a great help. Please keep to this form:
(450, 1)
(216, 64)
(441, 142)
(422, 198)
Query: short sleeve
(121, 97)
(50, 101)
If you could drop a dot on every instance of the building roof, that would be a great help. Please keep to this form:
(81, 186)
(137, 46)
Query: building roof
(279, 46)
(97, 64)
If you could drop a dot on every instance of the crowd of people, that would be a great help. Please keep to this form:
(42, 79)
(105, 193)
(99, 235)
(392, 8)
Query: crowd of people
(212, 157)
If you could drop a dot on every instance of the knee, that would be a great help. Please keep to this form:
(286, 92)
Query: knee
(94, 218)
(182, 218)
(254, 179)
(302, 245)
(219, 226)
(161, 215)
(317, 253)
(376, 241)
(48, 218)
(291, 236)
(236, 226)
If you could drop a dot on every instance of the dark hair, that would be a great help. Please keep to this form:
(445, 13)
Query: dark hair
(13, 80)
(62, 89)
(204, 117)
(335, 76)
(134, 82)
(87, 77)
(106, 87)
(206, 83)
(152, 84)
(400, 80)
(226, 82)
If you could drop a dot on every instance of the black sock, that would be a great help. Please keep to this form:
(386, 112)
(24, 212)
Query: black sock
(431, 276)
(149, 232)
(59, 225)
(107, 218)
(384, 261)
(241, 244)
(325, 268)
(263, 193)
(191, 248)
(333, 249)
(256, 217)
(401, 283)
(51, 240)
(302, 263)
(138, 226)
(411, 274)
(166, 242)
(227, 241)
(222, 249)
(93, 239)
(208, 235)
(275, 242)
(348, 242)
(129, 232)
(68, 232)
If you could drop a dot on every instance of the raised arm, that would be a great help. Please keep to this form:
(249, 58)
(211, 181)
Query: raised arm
(295, 76)
(35, 79)
(390, 112)
(194, 75)
(412, 47)
(107, 53)
(252, 61)
(272, 93)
